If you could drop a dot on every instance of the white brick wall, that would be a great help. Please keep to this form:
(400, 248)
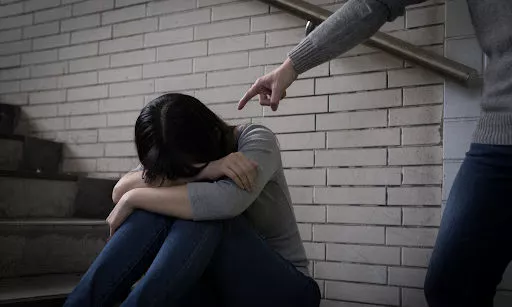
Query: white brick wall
(135, 27)
(351, 272)
(78, 23)
(360, 135)
(363, 254)
(362, 293)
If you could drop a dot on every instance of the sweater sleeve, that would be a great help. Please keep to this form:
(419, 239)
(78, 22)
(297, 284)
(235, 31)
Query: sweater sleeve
(352, 24)
(224, 199)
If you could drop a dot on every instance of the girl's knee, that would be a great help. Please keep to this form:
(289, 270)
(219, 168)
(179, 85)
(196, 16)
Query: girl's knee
(198, 231)
(200, 225)
(148, 217)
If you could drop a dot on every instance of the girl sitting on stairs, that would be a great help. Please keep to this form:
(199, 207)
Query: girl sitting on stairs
(207, 219)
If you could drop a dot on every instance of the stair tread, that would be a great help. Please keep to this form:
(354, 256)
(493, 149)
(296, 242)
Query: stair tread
(36, 175)
(52, 221)
(15, 137)
(26, 288)
(19, 137)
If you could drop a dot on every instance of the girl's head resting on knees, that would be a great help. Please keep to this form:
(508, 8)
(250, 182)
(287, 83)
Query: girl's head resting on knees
(176, 135)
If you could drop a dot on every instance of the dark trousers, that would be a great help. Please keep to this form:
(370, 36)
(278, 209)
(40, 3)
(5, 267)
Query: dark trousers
(474, 245)
(185, 263)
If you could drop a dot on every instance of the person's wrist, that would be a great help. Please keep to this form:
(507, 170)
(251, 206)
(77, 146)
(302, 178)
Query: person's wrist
(127, 198)
(288, 67)
(212, 170)
(207, 172)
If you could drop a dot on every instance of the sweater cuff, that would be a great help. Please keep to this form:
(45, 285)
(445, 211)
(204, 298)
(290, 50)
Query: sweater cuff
(304, 56)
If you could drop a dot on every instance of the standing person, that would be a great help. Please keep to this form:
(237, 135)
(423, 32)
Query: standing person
(473, 246)
(207, 219)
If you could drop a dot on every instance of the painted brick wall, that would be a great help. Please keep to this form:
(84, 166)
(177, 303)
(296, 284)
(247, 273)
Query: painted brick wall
(361, 135)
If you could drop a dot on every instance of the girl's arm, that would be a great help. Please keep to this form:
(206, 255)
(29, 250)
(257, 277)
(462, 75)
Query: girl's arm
(170, 201)
(213, 200)
(172, 198)
(224, 199)
(134, 180)
(128, 182)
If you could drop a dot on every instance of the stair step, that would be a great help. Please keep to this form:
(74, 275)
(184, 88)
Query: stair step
(45, 290)
(29, 154)
(49, 246)
(55, 222)
(43, 195)
(38, 175)
(9, 118)
(24, 194)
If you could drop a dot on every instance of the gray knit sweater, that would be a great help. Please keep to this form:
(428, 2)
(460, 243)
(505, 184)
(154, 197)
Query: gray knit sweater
(268, 207)
(357, 20)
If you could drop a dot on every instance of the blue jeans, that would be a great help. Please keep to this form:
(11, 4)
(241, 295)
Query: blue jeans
(474, 247)
(218, 263)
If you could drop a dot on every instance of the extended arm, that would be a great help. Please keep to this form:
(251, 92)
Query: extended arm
(352, 24)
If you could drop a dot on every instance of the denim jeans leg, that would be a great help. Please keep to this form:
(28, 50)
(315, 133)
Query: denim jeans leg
(203, 294)
(179, 264)
(248, 272)
(473, 246)
(122, 262)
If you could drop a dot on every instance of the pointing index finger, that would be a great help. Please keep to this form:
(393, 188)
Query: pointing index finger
(253, 91)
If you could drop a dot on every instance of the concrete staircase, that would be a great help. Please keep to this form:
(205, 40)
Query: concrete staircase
(52, 225)
(29, 154)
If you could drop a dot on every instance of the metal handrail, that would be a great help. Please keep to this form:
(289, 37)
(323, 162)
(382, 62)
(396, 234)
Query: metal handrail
(459, 72)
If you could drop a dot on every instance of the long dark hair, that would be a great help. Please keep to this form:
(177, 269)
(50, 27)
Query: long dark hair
(175, 134)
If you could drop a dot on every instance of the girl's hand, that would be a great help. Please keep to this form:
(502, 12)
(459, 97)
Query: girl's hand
(236, 166)
(120, 213)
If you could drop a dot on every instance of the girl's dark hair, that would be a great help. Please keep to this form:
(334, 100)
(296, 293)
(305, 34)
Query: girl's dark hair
(176, 132)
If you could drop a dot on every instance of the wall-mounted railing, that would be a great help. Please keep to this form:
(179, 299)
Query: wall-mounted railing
(444, 66)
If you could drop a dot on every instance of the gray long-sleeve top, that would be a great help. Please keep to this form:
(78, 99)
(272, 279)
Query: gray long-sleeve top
(268, 207)
(358, 20)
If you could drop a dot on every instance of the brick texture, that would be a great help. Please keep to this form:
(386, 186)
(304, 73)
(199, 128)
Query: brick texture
(361, 135)
(363, 254)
